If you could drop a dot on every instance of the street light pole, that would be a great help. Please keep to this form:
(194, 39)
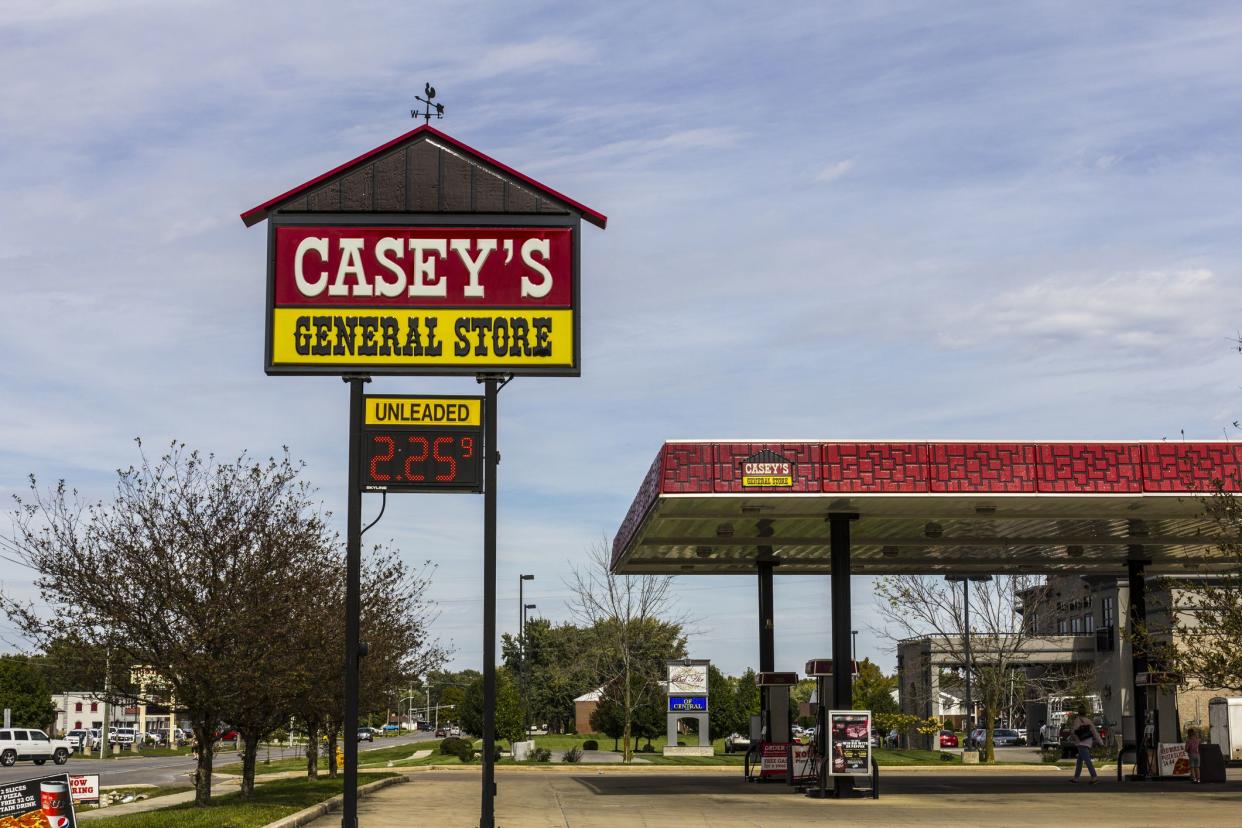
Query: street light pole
(966, 579)
(522, 579)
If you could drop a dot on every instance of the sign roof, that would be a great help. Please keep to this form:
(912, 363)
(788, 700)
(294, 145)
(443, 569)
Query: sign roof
(426, 133)
(932, 507)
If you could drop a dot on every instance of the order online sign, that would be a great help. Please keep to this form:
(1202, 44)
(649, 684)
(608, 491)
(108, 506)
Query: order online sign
(422, 300)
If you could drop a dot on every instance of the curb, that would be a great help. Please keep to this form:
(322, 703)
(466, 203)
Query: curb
(694, 770)
(312, 813)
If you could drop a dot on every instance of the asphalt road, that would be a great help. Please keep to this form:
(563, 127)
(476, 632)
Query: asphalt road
(167, 770)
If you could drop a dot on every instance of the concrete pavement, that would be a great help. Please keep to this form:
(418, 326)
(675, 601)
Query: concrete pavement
(605, 798)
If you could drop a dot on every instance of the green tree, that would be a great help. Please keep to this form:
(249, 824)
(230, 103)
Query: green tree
(721, 703)
(555, 670)
(24, 690)
(651, 720)
(161, 575)
(746, 699)
(508, 724)
(608, 718)
(452, 696)
(873, 689)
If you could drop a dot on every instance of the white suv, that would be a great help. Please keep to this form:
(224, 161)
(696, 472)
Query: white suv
(26, 743)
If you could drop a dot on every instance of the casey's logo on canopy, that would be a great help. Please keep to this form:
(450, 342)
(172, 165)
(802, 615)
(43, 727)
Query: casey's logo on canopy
(766, 469)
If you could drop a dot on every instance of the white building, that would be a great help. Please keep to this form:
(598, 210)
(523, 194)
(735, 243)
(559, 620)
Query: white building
(83, 709)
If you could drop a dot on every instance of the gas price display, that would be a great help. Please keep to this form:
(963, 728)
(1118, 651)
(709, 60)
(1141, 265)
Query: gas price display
(422, 444)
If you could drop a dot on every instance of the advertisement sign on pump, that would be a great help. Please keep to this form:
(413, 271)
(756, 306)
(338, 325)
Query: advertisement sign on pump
(1173, 759)
(44, 802)
(774, 759)
(849, 742)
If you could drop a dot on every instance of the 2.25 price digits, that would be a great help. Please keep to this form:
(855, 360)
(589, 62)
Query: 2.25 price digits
(397, 458)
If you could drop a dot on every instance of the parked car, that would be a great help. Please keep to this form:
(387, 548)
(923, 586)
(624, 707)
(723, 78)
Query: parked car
(736, 743)
(441, 732)
(392, 727)
(365, 735)
(122, 735)
(948, 739)
(426, 727)
(77, 739)
(160, 737)
(1004, 737)
(20, 744)
(454, 731)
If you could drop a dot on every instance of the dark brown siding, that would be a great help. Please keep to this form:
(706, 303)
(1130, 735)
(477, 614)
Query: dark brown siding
(420, 177)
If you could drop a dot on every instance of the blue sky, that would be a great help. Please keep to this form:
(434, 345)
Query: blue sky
(826, 220)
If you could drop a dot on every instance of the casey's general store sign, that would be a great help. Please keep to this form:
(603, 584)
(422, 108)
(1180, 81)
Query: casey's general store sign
(392, 299)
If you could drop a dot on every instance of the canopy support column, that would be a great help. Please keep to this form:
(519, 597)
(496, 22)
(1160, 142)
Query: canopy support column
(767, 629)
(842, 657)
(1138, 658)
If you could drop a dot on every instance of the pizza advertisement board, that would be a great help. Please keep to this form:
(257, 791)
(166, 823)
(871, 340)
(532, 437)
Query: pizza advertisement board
(849, 742)
(422, 300)
(43, 802)
(1172, 759)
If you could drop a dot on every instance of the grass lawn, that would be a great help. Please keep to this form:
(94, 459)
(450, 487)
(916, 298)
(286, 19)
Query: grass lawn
(155, 751)
(271, 801)
(883, 756)
(557, 742)
(366, 759)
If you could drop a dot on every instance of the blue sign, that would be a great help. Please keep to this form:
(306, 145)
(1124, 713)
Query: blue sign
(687, 704)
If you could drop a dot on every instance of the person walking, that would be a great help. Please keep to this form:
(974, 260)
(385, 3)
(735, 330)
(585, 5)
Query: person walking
(1084, 734)
(1192, 753)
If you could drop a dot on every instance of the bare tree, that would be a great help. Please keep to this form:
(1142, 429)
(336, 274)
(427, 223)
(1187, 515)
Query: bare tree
(928, 606)
(170, 574)
(634, 630)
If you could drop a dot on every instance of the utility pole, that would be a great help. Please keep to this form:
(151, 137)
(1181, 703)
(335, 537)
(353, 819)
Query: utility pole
(105, 743)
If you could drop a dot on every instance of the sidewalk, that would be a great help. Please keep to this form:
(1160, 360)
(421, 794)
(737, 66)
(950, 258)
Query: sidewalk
(602, 797)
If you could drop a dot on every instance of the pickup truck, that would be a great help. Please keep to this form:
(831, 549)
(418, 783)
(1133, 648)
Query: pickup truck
(21, 743)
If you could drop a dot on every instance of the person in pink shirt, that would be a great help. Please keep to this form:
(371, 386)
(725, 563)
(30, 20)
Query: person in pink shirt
(1192, 752)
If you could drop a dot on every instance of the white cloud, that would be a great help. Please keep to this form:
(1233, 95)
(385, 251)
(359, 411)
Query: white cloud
(1122, 310)
(834, 171)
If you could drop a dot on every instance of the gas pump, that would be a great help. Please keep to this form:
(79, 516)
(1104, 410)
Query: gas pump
(820, 669)
(770, 734)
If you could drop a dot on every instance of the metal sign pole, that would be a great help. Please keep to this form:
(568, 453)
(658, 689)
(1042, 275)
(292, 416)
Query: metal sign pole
(487, 818)
(353, 603)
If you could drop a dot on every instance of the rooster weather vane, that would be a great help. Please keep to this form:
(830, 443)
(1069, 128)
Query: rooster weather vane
(436, 109)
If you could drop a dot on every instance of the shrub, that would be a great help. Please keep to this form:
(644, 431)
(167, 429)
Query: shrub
(574, 754)
(590, 744)
(540, 755)
(463, 749)
(647, 748)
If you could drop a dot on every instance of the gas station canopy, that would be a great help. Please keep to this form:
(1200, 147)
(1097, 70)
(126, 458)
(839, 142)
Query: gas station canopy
(929, 507)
